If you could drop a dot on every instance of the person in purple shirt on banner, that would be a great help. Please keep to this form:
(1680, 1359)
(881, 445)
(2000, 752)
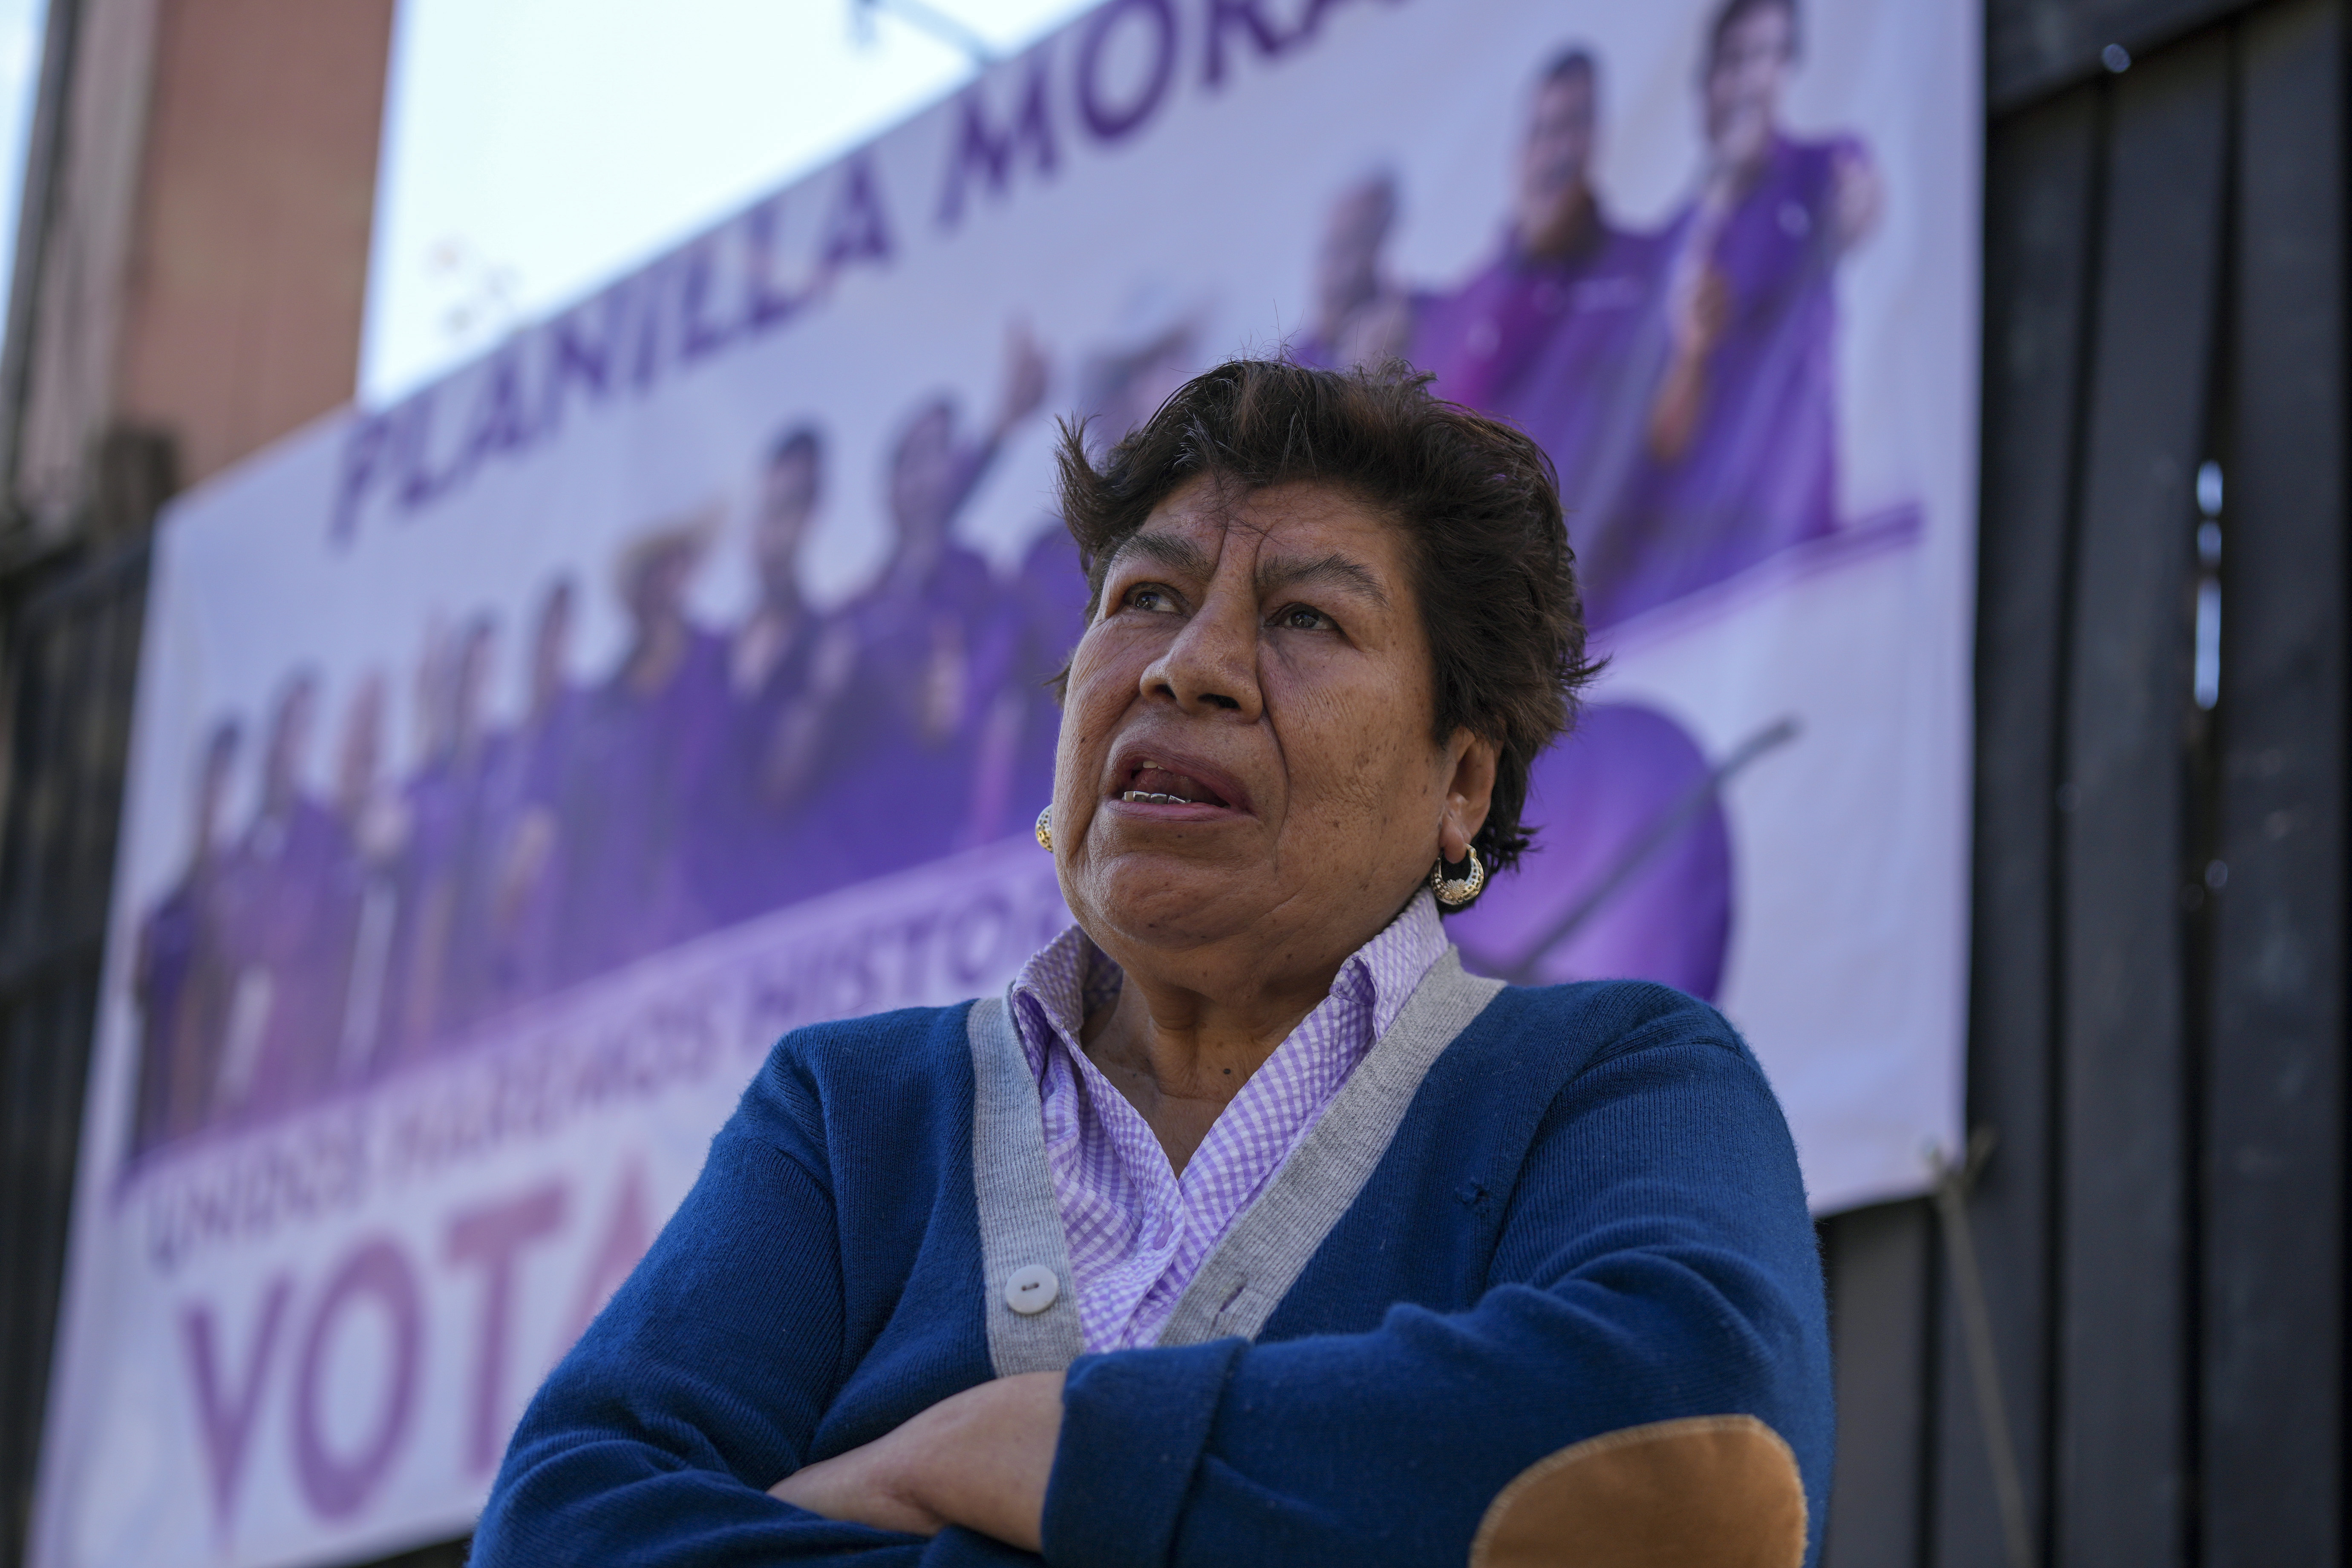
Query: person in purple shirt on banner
(373, 822)
(1742, 429)
(650, 735)
(284, 1008)
(525, 839)
(178, 978)
(936, 641)
(391, 1022)
(466, 975)
(1362, 315)
(438, 960)
(1557, 333)
(755, 846)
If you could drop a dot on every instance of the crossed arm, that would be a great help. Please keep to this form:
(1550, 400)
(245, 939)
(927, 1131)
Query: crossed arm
(720, 1367)
(979, 1458)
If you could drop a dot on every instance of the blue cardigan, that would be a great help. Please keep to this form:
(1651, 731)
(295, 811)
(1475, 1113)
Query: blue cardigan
(1547, 1214)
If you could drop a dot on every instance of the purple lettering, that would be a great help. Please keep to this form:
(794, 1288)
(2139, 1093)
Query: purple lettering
(972, 962)
(646, 292)
(627, 1234)
(1224, 15)
(981, 149)
(338, 1485)
(699, 334)
(227, 1422)
(574, 360)
(858, 229)
(364, 445)
(413, 438)
(501, 423)
(770, 305)
(916, 966)
(1115, 122)
(493, 1236)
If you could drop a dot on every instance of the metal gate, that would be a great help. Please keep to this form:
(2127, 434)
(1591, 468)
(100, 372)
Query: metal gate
(71, 652)
(2157, 1011)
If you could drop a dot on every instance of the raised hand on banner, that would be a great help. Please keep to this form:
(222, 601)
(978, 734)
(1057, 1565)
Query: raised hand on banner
(1857, 197)
(1026, 372)
(1699, 309)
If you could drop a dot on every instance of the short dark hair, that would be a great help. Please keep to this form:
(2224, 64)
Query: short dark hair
(1493, 571)
(1731, 12)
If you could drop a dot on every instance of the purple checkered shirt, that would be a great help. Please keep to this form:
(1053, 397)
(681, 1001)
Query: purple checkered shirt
(1139, 1232)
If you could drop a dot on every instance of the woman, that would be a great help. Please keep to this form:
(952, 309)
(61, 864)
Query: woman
(1246, 1227)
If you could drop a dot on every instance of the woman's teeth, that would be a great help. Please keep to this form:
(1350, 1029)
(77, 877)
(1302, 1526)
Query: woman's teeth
(1152, 784)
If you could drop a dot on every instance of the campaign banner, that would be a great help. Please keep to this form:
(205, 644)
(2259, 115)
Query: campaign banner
(514, 764)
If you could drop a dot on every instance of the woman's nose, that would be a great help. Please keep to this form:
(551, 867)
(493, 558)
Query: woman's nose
(1211, 664)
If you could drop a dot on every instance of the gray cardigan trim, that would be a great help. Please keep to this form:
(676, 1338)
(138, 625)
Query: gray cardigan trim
(1266, 1250)
(1020, 1222)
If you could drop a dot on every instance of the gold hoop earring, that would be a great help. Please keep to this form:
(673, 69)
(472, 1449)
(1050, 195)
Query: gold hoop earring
(1456, 891)
(1046, 830)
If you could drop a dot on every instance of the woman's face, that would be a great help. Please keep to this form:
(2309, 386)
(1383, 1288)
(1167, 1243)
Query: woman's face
(1258, 665)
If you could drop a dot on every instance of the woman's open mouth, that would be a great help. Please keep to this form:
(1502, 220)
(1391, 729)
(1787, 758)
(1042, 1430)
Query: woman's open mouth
(1156, 786)
(1154, 781)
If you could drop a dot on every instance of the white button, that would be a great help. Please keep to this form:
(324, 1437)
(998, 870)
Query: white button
(1031, 1289)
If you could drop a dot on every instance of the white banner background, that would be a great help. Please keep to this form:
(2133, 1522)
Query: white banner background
(305, 1341)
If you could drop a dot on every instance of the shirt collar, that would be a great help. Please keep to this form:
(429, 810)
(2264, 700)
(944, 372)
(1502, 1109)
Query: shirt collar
(1070, 977)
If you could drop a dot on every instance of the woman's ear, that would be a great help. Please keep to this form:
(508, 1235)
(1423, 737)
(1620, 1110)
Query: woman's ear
(1469, 793)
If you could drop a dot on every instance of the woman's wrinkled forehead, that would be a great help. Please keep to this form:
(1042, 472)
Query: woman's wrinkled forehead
(1286, 535)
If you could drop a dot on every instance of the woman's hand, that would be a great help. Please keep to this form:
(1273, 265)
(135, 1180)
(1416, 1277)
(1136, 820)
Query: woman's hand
(979, 1459)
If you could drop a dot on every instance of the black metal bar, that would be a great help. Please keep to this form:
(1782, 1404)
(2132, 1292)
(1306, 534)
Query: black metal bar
(2273, 1280)
(70, 657)
(2042, 181)
(2121, 1458)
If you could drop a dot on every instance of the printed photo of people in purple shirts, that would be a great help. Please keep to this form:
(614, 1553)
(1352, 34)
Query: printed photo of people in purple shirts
(1741, 439)
(713, 774)
(1683, 381)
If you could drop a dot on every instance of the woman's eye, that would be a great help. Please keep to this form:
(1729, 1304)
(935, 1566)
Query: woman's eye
(1301, 618)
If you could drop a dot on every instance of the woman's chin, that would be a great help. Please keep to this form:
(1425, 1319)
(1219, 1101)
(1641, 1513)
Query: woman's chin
(1172, 898)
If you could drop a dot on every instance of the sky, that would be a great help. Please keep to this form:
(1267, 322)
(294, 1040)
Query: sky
(534, 148)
